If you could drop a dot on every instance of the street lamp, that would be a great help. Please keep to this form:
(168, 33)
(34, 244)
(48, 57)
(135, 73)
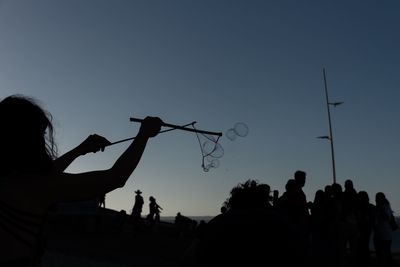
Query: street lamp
(330, 136)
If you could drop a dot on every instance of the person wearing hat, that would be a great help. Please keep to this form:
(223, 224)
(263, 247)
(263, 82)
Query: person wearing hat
(137, 207)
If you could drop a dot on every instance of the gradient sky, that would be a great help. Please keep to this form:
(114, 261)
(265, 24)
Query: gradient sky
(95, 63)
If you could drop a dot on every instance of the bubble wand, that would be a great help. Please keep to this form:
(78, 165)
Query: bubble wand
(214, 150)
(173, 126)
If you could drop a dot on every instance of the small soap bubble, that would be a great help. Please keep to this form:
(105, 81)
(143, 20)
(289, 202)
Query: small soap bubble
(231, 134)
(241, 129)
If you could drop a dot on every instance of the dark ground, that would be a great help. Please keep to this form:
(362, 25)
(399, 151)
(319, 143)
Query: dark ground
(110, 240)
(86, 240)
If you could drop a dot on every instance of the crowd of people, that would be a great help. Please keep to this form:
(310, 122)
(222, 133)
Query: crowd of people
(334, 229)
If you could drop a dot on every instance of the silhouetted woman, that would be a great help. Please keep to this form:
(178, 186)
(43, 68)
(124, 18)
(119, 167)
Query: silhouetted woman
(382, 230)
(31, 180)
(155, 210)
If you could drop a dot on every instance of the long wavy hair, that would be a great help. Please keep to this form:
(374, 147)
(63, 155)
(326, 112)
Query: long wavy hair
(26, 137)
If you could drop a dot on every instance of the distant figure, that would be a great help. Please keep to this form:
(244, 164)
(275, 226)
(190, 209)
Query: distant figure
(33, 179)
(382, 230)
(249, 233)
(179, 218)
(137, 207)
(223, 209)
(102, 201)
(155, 210)
(184, 224)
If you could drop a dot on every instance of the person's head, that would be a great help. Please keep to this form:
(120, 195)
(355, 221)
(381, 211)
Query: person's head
(363, 197)
(337, 190)
(152, 199)
(348, 185)
(328, 190)
(223, 209)
(300, 178)
(26, 136)
(380, 199)
(319, 196)
(291, 186)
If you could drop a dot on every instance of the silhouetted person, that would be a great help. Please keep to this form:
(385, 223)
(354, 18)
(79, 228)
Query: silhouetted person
(102, 201)
(136, 215)
(319, 229)
(155, 209)
(328, 192)
(336, 237)
(286, 201)
(350, 223)
(223, 209)
(300, 178)
(178, 218)
(275, 197)
(287, 204)
(294, 207)
(184, 224)
(32, 181)
(382, 230)
(366, 212)
(250, 233)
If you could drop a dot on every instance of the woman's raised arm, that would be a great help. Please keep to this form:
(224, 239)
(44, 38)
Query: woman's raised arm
(81, 186)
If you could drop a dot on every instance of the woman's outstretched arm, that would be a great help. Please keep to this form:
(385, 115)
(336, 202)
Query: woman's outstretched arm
(81, 186)
(92, 143)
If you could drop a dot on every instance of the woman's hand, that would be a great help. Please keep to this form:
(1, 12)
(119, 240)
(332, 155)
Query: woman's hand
(150, 127)
(93, 143)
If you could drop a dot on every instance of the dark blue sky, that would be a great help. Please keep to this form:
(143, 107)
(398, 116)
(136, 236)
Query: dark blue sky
(94, 64)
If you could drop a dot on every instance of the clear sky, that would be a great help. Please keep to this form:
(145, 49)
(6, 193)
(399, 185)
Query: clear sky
(94, 63)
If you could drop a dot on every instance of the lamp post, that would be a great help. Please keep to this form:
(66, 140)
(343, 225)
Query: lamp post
(330, 137)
